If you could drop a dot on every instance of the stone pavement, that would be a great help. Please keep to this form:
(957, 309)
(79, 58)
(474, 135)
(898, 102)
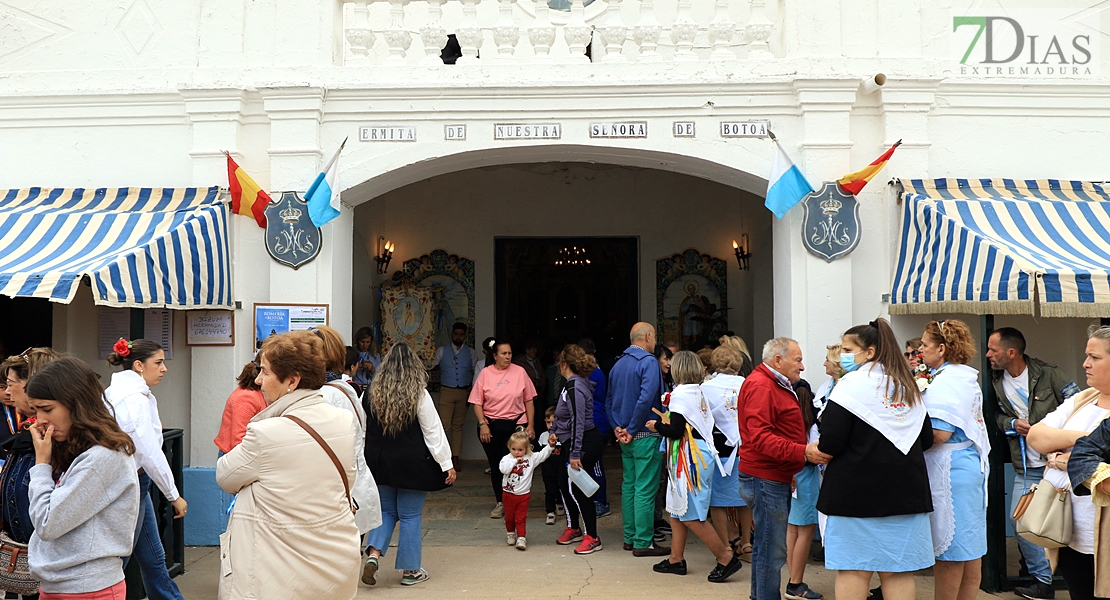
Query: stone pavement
(466, 556)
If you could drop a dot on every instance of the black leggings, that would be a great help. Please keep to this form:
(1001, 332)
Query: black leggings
(575, 501)
(500, 430)
(1078, 571)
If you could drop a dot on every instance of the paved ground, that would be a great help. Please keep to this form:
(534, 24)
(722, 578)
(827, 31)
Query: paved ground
(466, 555)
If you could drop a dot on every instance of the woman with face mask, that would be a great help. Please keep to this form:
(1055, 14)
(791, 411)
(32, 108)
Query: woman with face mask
(875, 427)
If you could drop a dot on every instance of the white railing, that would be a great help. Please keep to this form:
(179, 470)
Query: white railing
(406, 32)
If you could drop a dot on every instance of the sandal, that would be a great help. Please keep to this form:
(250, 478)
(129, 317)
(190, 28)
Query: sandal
(733, 543)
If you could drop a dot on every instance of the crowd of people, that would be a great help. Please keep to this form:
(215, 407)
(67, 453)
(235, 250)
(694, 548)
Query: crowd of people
(328, 449)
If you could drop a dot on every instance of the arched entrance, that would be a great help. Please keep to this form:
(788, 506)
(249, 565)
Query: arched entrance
(465, 212)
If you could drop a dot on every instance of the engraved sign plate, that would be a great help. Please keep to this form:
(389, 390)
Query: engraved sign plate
(527, 131)
(744, 129)
(387, 133)
(454, 133)
(683, 129)
(620, 129)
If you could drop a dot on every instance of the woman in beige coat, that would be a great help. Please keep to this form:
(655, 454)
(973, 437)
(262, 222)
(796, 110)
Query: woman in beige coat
(292, 532)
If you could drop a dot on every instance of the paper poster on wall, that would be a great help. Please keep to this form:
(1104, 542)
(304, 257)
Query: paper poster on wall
(210, 328)
(158, 327)
(115, 323)
(272, 319)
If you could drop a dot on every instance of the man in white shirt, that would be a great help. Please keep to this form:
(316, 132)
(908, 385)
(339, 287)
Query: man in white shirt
(456, 363)
(1027, 389)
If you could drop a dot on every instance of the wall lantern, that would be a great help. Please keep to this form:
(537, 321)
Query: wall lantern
(742, 251)
(385, 254)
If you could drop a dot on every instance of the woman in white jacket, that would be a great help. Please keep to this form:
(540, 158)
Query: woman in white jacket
(136, 411)
(340, 394)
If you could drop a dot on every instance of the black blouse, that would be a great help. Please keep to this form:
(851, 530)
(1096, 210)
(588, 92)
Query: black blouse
(677, 428)
(868, 476)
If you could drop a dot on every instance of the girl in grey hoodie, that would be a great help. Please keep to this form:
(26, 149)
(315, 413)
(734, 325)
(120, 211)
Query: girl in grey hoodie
(84, 489)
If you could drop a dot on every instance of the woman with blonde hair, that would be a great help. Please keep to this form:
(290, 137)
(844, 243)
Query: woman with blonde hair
(835, 372)
(292, 533)
(408, 453)
(687, 431)
(721, 389)
(737, 343)
(957, 461)
(1076, 438)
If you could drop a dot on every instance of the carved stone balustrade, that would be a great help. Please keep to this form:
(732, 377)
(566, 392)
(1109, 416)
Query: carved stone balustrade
(520, 32)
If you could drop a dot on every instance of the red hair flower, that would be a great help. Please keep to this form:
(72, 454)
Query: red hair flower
(122, 347)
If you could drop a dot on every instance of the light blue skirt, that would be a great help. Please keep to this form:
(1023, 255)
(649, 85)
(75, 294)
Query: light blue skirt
(697, 500)
(968, 505)
(897, 544)
(803, 509)
(726, 489)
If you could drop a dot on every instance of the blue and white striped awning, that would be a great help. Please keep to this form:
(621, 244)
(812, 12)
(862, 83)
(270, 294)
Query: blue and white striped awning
(1004, 246)
(140, 247)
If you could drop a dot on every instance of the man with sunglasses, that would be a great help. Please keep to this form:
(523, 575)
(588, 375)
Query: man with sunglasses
(1027, 389)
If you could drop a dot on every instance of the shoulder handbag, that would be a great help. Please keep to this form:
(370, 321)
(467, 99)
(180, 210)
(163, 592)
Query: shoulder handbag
(15, 573)
(1043, 514)
(331, 455)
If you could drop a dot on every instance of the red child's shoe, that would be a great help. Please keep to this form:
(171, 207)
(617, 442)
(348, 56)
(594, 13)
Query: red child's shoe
(589, 545)
(569, 537)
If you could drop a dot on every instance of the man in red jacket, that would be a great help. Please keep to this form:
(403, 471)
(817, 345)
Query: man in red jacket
(772, 450)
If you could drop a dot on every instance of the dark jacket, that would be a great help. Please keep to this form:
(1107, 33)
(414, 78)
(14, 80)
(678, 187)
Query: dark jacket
(1048, 388)
(772, 431)
(868, 475)
(1089, 451)
(574, 415)
(635, 387)
(601, 421)
(15, 502)
(398, 461)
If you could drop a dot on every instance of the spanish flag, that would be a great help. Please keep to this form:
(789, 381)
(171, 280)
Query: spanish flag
(852, 183)
(247, 198)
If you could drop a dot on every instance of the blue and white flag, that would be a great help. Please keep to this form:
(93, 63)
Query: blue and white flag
(323, 195)
(786, 186)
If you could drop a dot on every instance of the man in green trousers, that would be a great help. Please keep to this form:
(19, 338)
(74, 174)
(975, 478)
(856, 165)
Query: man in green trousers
(635, 387)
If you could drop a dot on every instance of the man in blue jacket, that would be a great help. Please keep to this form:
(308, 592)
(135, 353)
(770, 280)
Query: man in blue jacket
(635, 387)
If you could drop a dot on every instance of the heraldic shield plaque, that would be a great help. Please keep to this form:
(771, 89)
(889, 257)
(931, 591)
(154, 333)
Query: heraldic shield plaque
(830, 228)
(291, 238)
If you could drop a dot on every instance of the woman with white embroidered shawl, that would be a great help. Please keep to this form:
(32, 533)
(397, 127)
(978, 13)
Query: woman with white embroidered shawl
(876, 488)
(687, 432)
(721, 390)
(958, 459)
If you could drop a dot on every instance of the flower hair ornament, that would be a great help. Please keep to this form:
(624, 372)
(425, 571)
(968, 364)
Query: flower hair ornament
(122, 347)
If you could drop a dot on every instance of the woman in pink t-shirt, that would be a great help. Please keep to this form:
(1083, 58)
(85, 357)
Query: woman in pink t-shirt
(502, 397)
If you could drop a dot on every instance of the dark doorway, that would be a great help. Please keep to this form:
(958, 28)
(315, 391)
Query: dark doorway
(557, 290)
(28, 322)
